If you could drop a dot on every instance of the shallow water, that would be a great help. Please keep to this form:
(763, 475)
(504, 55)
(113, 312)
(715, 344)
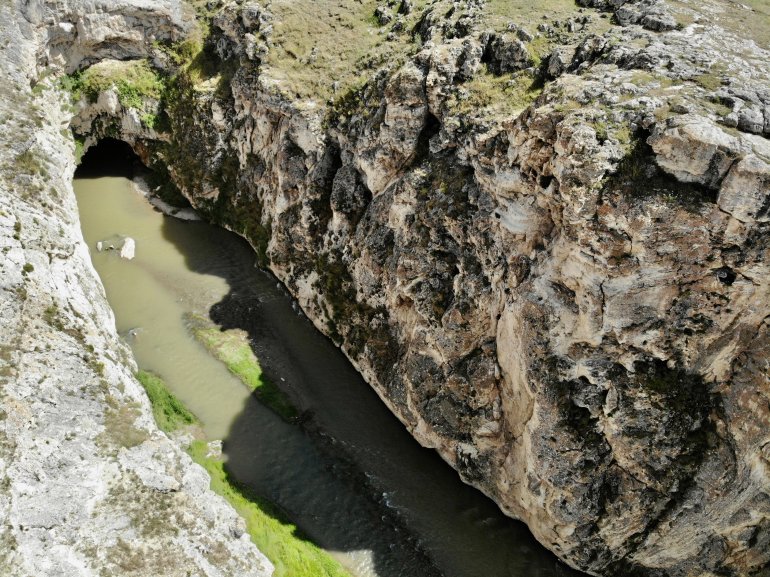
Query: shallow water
(350, 476)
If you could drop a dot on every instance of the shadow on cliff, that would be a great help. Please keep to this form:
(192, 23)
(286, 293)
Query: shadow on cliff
(348, 474)
(356, 480)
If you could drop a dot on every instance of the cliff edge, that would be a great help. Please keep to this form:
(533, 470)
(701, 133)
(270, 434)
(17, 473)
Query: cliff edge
(90, 486)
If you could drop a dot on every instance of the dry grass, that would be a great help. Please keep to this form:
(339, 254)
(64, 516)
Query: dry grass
(530, 14)
(487, 95)
(321, 45)
(119, 425)
(746, 19)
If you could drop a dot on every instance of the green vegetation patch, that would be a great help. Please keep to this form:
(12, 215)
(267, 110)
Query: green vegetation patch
(498, 13)
(134, 80)
(279, 540)
(233, 349)
(169, 412)
(291, 553)
(30, 164)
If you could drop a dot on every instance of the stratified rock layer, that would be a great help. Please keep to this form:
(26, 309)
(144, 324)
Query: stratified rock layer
(90, 486)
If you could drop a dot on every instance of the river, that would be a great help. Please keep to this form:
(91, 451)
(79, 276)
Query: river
(349, 474)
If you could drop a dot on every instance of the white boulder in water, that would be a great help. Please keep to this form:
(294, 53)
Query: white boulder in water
(128, 250)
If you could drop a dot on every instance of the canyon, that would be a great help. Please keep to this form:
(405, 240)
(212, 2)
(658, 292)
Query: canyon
(539, 234)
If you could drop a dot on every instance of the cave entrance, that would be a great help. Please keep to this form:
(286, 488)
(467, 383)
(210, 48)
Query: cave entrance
(113, 157)
(110, 157)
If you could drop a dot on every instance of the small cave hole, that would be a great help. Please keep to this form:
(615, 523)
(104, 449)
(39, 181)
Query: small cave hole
(726, 275)
(430, 129)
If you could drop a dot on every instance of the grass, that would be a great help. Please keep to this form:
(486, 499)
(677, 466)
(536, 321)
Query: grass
(709, 81)
(343, 43)
(338, 45)
(291, 553)
(135, 82)
(746, 19)
(169, 412)
(233, 349)
(528, 14)
(497, 96)
(28, 163)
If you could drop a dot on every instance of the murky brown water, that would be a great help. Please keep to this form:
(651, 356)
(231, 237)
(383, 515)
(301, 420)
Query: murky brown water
(350, 476)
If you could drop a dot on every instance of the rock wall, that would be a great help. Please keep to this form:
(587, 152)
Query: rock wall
(570, 303)
(89, 484)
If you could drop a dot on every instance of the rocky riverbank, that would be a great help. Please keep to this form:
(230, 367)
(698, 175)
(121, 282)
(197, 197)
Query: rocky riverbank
(540, 234)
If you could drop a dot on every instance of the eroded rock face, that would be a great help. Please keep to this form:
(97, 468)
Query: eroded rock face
(89, 484)
(570, 303)
(77, 32)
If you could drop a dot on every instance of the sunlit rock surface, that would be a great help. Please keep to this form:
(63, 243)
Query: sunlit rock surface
(90, 486)
(557, 278)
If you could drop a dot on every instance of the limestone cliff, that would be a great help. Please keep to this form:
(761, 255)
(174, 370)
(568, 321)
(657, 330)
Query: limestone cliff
(543, 241)
(90, 486)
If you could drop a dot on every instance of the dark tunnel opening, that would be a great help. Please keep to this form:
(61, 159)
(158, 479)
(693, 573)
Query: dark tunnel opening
(110, 157)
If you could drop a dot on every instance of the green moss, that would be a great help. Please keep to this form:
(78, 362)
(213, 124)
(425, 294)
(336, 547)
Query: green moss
(279, 540)
(149, 119)
(169, 412)
(79, 149)
(232, 347)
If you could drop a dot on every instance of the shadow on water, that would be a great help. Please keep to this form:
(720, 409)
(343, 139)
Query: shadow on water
(350, 475)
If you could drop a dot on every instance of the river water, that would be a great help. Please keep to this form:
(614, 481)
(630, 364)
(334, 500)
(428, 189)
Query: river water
(350, 476)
